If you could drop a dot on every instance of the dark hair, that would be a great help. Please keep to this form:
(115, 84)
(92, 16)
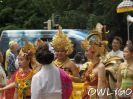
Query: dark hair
(118, 39)
(78, 58)
(130, 47)
(43, 55)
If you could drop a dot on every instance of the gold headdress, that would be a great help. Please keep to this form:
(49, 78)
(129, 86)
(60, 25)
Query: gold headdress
(62, 42)
(85, 44)
(28, 50)
(95, 42)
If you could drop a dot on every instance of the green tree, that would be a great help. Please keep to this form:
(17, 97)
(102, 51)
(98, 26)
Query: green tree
(30, 14)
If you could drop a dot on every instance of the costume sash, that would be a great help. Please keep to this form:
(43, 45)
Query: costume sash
(66, 85)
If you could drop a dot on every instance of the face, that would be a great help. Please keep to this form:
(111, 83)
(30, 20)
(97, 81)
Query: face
(23, 62)
(127, 54)
(60, 54)
(115, 45)
(15, 47)
(90, 54)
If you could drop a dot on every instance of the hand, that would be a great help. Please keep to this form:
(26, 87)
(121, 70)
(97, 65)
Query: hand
(1, 89)
(70, 76)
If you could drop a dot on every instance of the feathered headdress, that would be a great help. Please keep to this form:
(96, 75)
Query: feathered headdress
(62, 42)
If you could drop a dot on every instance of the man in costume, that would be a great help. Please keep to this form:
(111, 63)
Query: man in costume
(64, 47)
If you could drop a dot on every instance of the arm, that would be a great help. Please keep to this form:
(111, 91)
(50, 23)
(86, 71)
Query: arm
(119, 77)
(11, 85)
(75, 73)
(102, 83)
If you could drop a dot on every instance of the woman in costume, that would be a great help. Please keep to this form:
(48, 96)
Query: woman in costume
(99, 68)
(125, 73)
(64, 47)
(24, 75)
(95, 70)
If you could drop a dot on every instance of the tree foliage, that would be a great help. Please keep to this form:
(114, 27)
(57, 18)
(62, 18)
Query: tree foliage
(84, 14)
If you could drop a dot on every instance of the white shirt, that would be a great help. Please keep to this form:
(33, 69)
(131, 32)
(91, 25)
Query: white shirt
(118, 53)
(46, 84)
(16, 63)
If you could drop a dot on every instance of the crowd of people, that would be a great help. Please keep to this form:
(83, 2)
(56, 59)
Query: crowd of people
(35, 72)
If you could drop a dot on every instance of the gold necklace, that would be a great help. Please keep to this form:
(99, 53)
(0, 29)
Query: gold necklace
(60, 64)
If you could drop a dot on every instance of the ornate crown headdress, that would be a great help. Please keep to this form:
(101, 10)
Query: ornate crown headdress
(62, 42)
(95, 41)
(28, 50)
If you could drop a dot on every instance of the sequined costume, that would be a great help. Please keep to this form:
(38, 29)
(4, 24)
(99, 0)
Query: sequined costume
(127, 79)
(91, 82)
(23, 83)
(23, 77)
(62, 43)
(95, 48)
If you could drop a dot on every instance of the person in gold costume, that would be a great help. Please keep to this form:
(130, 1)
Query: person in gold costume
(99, 68)
(125, 73)
(94, 73)
(24, 75)
(64, 47)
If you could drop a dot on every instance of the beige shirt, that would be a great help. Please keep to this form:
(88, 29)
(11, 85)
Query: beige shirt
(118, 53)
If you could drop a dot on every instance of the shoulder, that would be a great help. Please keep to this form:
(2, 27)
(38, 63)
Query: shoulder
(121, 51)
(37, 75)
(70, 63)
(101, 66)
(110, 52)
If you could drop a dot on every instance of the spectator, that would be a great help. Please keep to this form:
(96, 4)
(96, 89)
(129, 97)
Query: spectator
(11, 58)
(78, 60)
(116, 45)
